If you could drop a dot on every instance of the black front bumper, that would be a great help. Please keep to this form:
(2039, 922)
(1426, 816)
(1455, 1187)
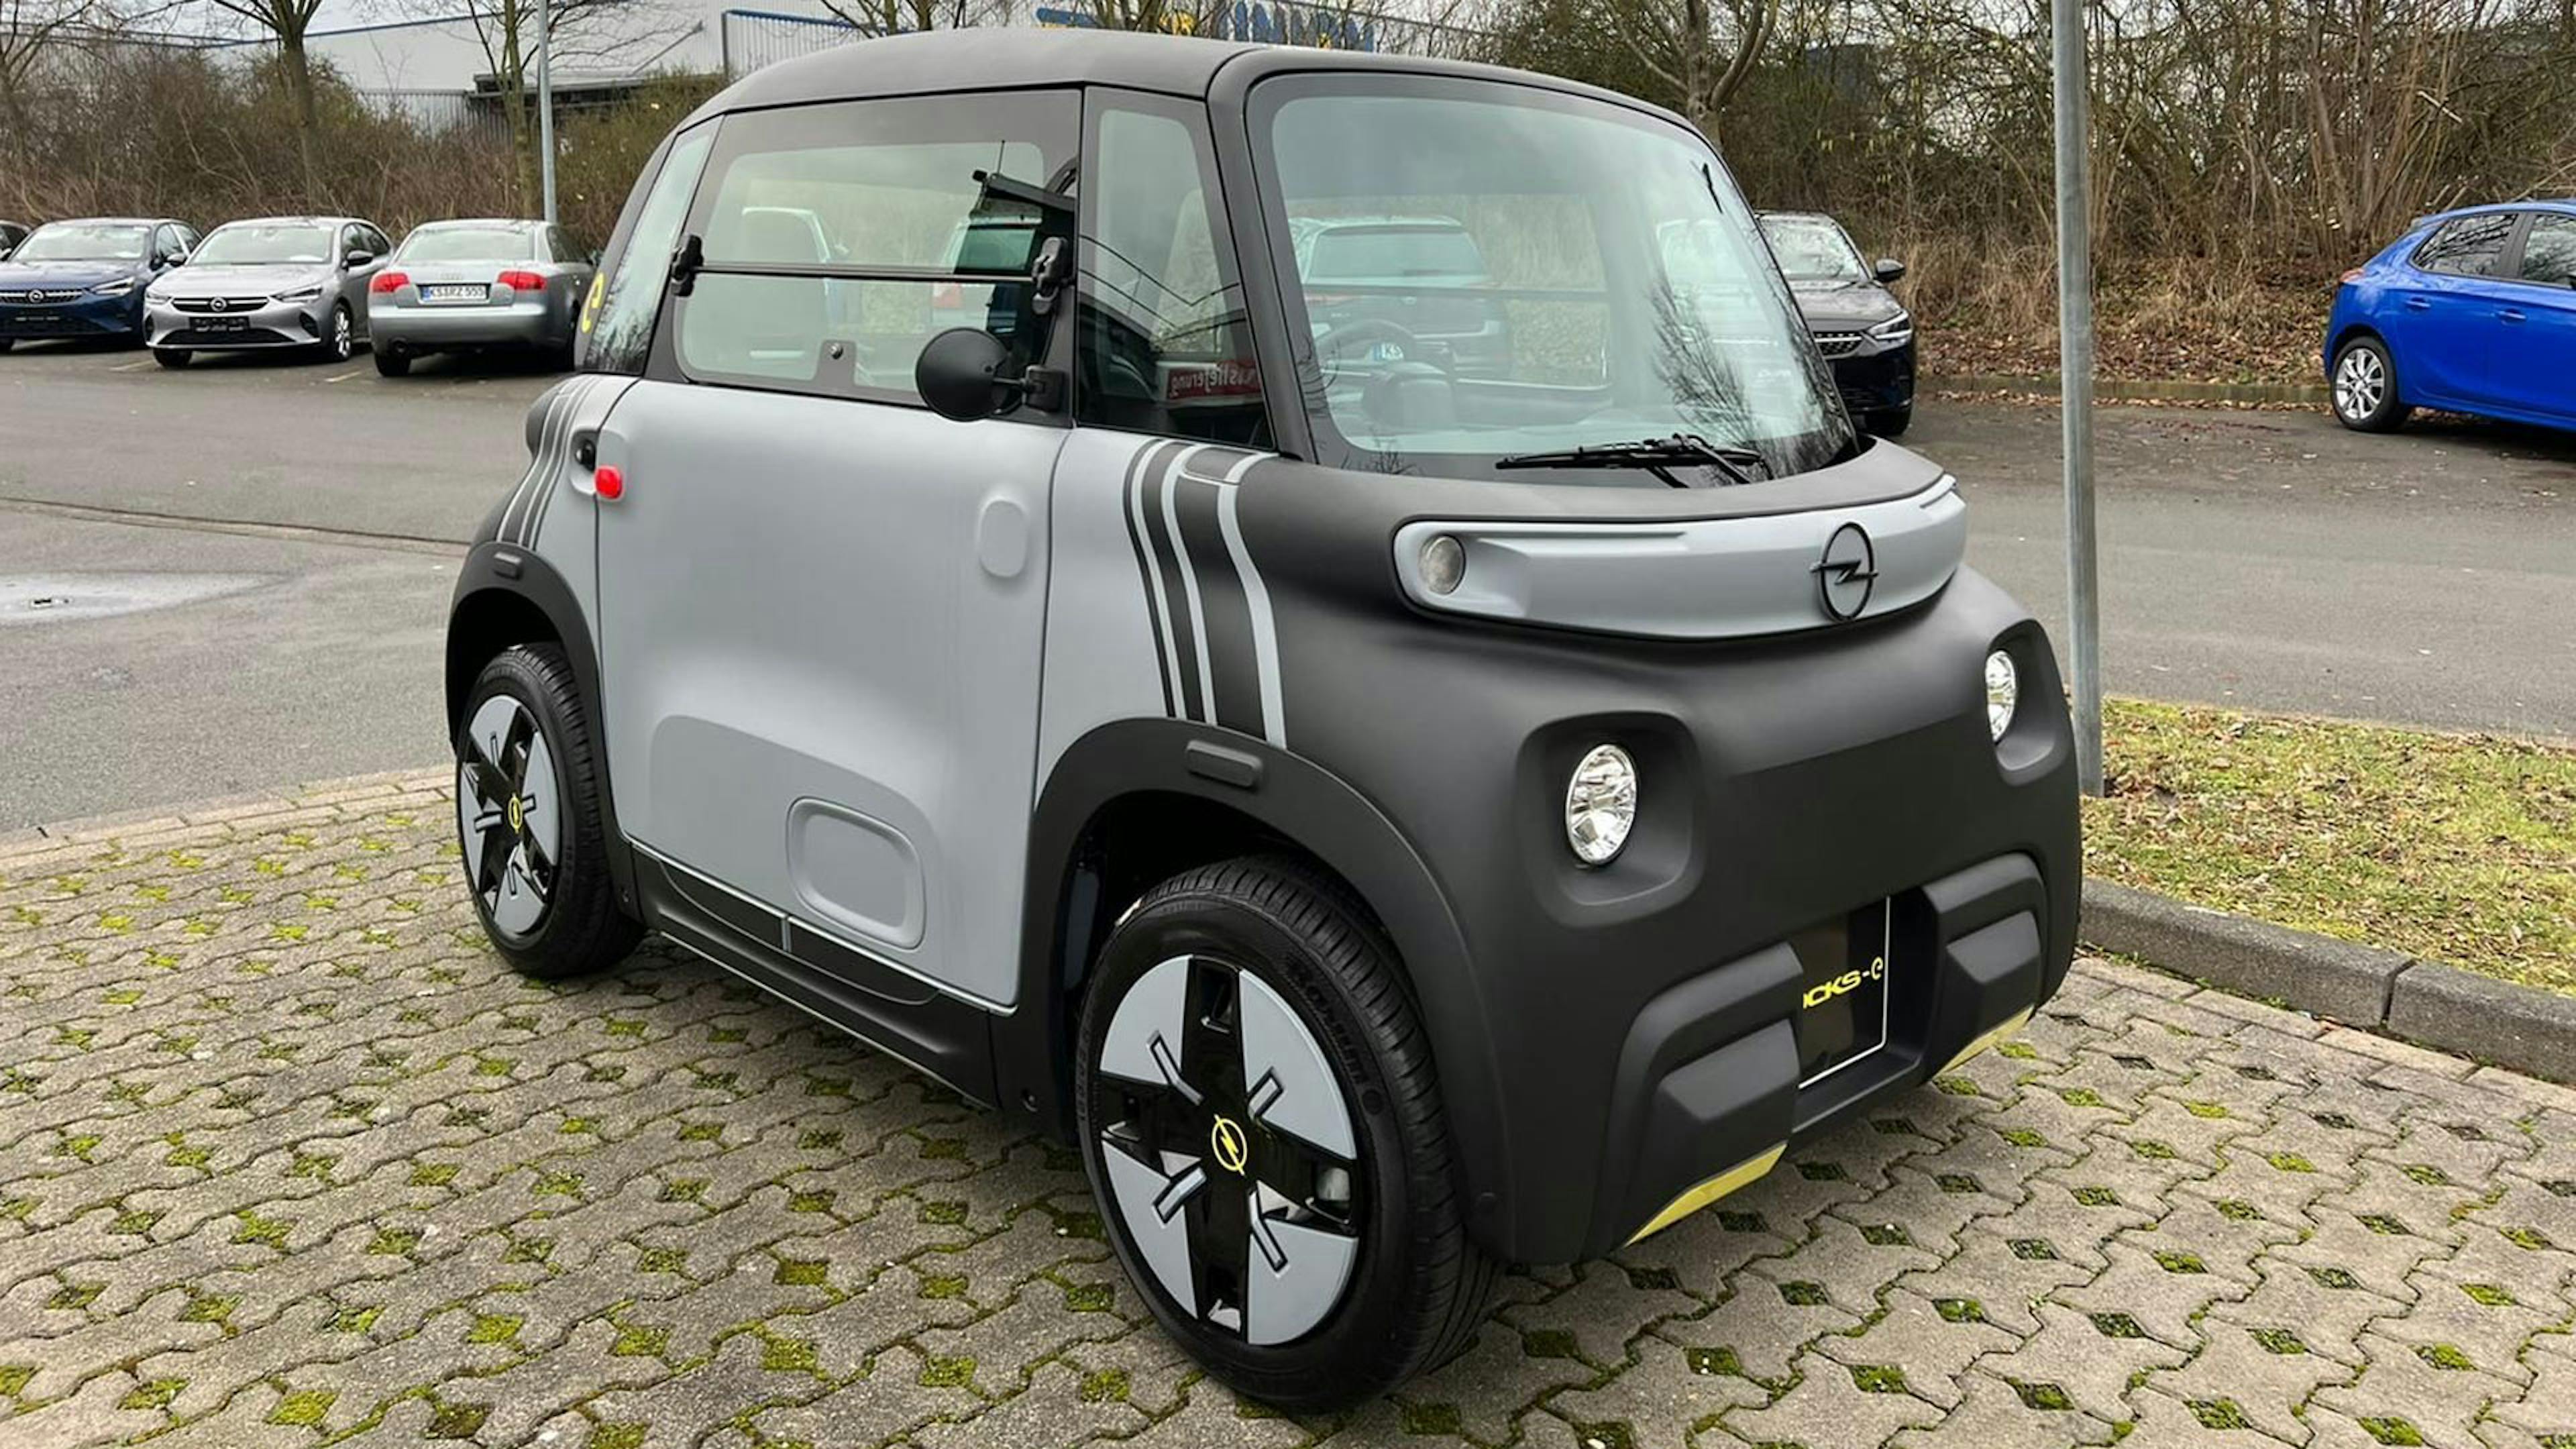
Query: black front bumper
(93, 317)
(1624, 1034)
(1875, 381)
(1708, 1088)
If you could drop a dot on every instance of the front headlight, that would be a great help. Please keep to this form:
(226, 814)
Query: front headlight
(301, 294)
(117, 288)
(1601, 805)
(2003, 693)
(1899, 328)
(156, 296)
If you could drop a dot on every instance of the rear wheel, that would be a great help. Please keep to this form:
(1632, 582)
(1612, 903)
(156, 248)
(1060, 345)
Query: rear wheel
(529, 822)
(1263, 1129)
(170, 357)
(392, 363)
(7, 342)
(2365, 387)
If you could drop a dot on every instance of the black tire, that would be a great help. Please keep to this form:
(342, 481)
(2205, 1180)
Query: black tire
(1891, 422)
(170, 357)
(7, 342)
(342, 343)
(1416, 1286)
(2362, 386)
(391, 363)
(577, 927)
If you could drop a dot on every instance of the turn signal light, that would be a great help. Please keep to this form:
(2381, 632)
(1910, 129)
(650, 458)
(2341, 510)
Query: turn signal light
(521, 281)
(389, 282)
(2352, 276)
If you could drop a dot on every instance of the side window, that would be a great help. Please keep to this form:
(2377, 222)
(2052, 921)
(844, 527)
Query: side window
(379, 243)
(1165, 347)
(165, 240)
(840, 238)
(2549, 252)
(626, 296)
(2468, 247)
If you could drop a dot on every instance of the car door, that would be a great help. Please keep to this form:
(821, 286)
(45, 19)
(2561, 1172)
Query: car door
(820, 604)
(356, 238)
(2536, 320)
(2442, 328)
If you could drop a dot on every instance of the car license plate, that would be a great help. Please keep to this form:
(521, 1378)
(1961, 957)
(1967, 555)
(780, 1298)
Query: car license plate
(455, 292)
(1842, 1013)
(223, 324)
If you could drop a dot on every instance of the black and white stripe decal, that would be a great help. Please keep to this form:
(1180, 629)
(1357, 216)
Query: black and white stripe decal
(536, 490)
(1213, 631)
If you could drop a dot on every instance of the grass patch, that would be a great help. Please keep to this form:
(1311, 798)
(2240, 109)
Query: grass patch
(2461, 848)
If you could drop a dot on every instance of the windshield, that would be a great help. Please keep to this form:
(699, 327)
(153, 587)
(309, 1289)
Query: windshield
(1529, 273)
(469, 244)
(1812, 249)
(255, 242)
(84, 241)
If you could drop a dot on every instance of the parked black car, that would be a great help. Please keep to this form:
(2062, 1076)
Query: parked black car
(11, 233)
(1864, 332)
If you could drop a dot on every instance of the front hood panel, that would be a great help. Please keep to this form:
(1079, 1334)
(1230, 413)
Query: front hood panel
(1845, 305)
(66, 276)
(194, 280)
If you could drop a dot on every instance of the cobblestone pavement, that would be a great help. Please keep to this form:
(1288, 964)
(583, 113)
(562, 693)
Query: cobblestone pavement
(287, 1158)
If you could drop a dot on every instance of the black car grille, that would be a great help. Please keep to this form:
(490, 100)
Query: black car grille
(219, 304)
(1838, 344)
(41, 296)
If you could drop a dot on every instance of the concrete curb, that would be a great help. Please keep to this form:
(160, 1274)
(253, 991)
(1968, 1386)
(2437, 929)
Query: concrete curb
(2430, 1003)
(2111, 390)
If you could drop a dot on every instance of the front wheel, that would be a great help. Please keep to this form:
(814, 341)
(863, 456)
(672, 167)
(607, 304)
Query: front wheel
(529, 823)
(1261, 1124)
(2365, 387)
(170, 357)
(341, 343)
(1891, 422)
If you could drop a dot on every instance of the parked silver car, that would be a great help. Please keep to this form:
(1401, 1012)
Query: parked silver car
(279, 281)
(463, 286)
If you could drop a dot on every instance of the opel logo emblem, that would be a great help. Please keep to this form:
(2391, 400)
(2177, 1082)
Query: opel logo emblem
(518, 817)
(1846, 573)
(218, 304)
(1227, 1141)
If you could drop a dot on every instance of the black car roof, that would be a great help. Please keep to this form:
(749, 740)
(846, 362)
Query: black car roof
(1009, 58)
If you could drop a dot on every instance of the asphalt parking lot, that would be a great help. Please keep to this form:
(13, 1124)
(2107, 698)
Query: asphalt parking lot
(289, 1158)
(2266, 559)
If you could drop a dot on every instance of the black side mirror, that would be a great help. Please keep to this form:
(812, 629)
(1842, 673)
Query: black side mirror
(959, 375)
(358, 258)
(1889, 271)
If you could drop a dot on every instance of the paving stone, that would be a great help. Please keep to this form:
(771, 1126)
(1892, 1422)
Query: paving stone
(286, 1152)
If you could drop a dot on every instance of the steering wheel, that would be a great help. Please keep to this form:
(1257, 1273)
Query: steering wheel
(1365, 329)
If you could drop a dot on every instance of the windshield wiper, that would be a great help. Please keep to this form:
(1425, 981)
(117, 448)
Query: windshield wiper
(1658, 456)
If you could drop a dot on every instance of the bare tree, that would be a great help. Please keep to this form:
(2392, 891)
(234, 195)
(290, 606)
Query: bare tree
(891, 17)
(286, 22)
(576, 30)
(1700, 52)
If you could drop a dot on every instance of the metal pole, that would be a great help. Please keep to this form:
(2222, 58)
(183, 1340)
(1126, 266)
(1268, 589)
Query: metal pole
(2075, 381)
(545, 114)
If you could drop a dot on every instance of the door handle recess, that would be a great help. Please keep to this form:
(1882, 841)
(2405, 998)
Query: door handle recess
(2511, 314)
(2419, 304)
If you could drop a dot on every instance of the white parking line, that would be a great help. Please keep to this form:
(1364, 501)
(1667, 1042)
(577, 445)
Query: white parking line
(132, 366)
(344, 377)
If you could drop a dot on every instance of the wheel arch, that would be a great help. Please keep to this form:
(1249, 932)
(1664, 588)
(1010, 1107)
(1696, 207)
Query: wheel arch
(1189, 794)
(506, 596)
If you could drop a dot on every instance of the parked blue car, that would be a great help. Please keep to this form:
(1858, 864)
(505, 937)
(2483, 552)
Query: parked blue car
(86, 278)
(2472, 311)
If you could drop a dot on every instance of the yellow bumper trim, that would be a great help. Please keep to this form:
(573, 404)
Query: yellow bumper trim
(1710, 1191)
(2010, 1025)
